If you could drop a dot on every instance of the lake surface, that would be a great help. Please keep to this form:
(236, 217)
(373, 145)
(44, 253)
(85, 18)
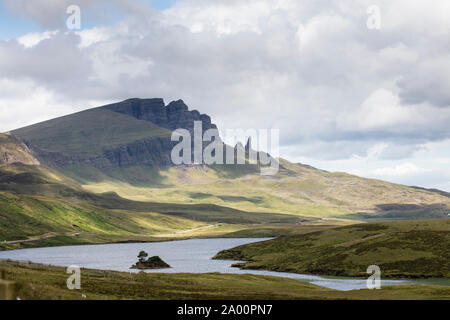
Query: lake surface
(185, 256)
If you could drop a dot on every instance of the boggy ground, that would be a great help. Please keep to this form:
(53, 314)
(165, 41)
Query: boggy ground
(36, 282)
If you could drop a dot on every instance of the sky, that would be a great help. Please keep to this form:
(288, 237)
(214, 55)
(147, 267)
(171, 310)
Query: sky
(355, 86)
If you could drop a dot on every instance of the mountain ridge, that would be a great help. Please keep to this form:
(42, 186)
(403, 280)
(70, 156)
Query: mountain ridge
(119, 134)
(124, 148)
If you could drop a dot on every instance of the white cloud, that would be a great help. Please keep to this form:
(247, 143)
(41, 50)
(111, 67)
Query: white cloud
(399, 170)
(382, 109)
(31, 39)
(92, 36)
(16, 99)
(220, 16)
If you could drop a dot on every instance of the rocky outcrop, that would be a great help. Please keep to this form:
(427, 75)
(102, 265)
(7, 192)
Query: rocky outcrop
(14, 151)
(149, 152)
(152, 152)
(173, 116)
(151, 263)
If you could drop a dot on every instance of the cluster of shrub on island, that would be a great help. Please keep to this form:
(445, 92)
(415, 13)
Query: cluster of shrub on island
(154, 262)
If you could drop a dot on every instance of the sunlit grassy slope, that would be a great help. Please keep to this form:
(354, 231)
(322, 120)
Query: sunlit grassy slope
(39, 180)
(22, 216)
(36, 201)
(295, 190)
(401, 249)
(35, 221)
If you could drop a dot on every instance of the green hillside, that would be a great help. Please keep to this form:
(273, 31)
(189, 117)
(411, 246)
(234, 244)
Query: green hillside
(40, 181)
(110, 152)
(24, 216)
(401, 249)
(294, 190)
(30, 221)
(101, 176)
(104, 176)
(88, 133)
(38, 202)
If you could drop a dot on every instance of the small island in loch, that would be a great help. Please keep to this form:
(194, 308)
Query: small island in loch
(151, 263)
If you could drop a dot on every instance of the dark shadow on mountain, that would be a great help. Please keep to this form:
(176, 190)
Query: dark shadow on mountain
(398, 211)
(200, 195)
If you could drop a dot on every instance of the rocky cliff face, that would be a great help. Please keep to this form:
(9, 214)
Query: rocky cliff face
(13, 151)
(173, 116)
(152, 152)
(155, 151)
